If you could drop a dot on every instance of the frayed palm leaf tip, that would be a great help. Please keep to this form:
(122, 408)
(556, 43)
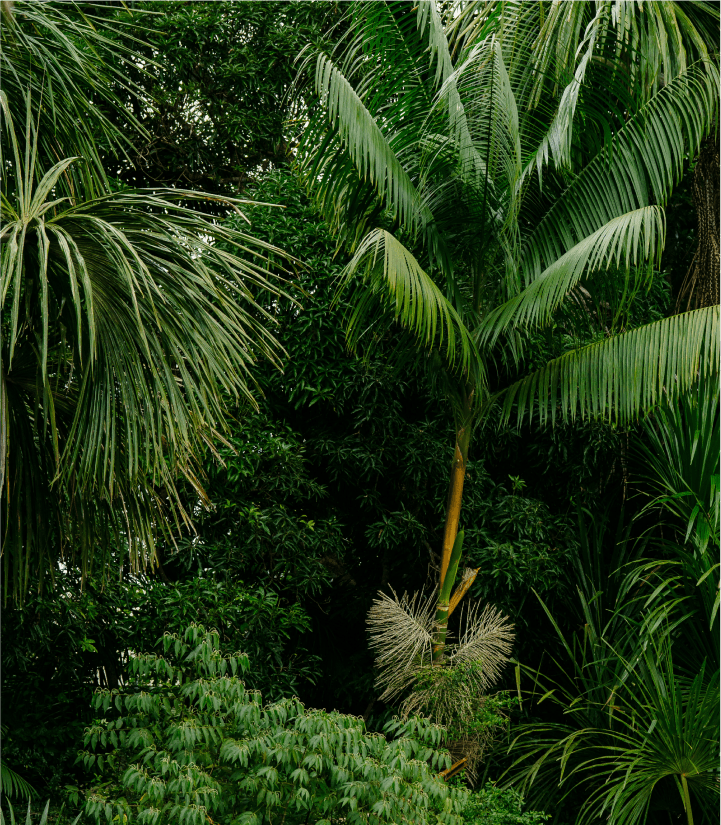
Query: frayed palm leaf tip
(401, 635)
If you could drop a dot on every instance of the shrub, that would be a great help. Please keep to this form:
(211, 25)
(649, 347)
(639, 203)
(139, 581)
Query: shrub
(496, 806)
(184, 742)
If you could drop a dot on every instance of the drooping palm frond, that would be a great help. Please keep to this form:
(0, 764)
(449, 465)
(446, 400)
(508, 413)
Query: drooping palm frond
(346, 139)
(621, 376)
(11, 784)
(638, 168)
(369, 149)
(385, 273)
(630, 240)
(127, 325)
(64, 57)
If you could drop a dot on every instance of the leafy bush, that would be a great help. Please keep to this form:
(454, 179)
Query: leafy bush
(496, 806)
(67, 642)
(184, 741)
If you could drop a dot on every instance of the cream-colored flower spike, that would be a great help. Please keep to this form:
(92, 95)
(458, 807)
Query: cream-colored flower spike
(487, 638)
(401, 634)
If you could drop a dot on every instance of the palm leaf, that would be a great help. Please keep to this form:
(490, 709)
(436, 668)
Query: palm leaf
(129, 321)
(628, 241)
(622, 376)
(391, 277)
(64, 57)
(368, 148)
(638, 168)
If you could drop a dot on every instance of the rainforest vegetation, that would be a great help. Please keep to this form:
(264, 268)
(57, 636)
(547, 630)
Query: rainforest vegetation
(359, 412)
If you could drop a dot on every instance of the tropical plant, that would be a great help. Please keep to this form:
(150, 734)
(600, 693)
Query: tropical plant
(11, 783)
(640, 680)
(184, 740)
(637, 737)
(499, 806)
(447, 155)
(28, 817)
(65, 643)
(127, 330)
(403, 633)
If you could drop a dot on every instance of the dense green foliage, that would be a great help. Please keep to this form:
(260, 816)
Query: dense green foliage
(217, 78)
(278, 452)
(190, 741)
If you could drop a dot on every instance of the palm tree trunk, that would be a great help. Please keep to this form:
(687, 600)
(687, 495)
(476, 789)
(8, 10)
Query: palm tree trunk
(455, 497)
(452, 539)
(700, 287)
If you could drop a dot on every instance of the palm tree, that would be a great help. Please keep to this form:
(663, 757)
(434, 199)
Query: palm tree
(486, 168)
(648, 45)
(129, 321)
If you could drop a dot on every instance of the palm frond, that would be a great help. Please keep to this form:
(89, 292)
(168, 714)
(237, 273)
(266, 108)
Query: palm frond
(391, 277)
(129, 321)
(629, 240)
(65, 59)
(13, 785)
(639, 167)
(622, 376)
(371, 153)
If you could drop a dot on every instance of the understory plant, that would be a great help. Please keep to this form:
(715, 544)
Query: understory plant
(493, 805)
(184, 742)
(448, 672)
(11, 783)
(637, 687)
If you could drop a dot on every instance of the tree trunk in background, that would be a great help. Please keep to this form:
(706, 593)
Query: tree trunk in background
(700, 287)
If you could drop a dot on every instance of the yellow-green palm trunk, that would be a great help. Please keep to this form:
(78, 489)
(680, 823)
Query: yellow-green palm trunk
(442, 610)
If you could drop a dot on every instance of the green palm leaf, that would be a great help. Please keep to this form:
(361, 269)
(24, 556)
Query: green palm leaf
(621, 376)
(129, 322)
(639, 167)
(11, 784)
(386, 274)
(369, 150)
(628, 240)
(65, 59)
